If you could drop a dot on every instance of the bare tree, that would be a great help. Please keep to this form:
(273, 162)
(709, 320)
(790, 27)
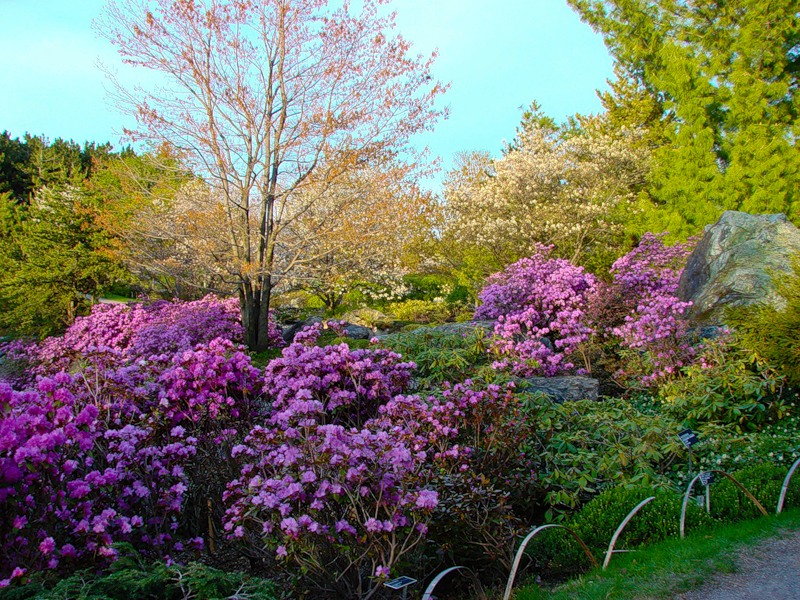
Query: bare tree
(266, 97)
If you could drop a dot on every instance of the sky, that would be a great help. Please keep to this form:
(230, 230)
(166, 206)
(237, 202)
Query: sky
(498, 56)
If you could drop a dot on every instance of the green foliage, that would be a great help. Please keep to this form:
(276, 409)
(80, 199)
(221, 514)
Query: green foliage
(596, 522)
(130, 579)
(655, 521)
(421, 311)
(728, 385)
(587, 446)
(724, 448)
(722, 79)
(773, 332)
(55, 259)
(764, 481)
(442, 355)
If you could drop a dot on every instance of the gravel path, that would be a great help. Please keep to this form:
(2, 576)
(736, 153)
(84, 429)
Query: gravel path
(768, 571)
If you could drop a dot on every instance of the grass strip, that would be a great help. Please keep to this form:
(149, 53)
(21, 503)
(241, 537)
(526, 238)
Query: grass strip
(670, 567)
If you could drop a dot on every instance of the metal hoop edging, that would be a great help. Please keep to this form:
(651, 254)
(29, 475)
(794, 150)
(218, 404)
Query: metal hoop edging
(528, 538)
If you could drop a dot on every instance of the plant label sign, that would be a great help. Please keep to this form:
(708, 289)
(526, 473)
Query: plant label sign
(688, 437)
(400, 583)
(706, 478)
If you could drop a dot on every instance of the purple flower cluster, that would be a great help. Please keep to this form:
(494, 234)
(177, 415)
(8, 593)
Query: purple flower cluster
(137, 332)
(209, 385)
(547, 308)
(322, 483)
(335, 487)
(540, 304)
(654, 330)
(73, 482)
(109, 452)
(334, 383)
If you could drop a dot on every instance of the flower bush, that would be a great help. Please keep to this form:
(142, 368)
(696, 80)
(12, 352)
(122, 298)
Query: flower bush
(138, 332)
(540, 305)
(323, 483)
(653, 332)
(114, 452)
(333, 383)
(73, 483)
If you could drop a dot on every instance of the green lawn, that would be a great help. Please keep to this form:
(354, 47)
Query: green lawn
(670, 567)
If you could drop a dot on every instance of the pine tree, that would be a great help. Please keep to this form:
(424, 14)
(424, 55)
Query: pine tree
(724, 73)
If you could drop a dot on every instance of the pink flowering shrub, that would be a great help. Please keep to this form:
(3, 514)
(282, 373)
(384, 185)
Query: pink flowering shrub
(212, 384)
(332, 383)
(540, 307)
(142, 332)
(322, 483)
(652, 335)
(548, 309)
(344, 479)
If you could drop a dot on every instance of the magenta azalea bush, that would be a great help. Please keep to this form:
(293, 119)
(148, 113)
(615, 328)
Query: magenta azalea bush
(342, 480)
(540, 307)
(142, 331)
(547, 309)
(114, 450)
(653, 334)
(73, 482)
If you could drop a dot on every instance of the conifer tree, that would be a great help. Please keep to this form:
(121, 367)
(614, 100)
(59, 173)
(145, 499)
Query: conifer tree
(724, 73)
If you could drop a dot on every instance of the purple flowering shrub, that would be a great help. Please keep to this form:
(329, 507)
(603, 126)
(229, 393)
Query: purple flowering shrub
(117, 451)
(154, 331)
(548, 309)
(212, 385)
(652, 334)
(327, 483)
(540, 307)
(73, 482)
(332, 383)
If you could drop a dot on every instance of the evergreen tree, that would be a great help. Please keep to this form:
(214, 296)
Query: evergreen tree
(724, 75)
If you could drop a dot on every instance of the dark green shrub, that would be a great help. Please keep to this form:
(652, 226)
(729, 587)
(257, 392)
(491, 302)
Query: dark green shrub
(128, 579)
(597, 521)
(657, 520)
(764, 481)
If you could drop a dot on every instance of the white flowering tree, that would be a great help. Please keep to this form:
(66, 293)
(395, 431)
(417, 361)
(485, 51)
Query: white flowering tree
(572, 186)
(353, 234)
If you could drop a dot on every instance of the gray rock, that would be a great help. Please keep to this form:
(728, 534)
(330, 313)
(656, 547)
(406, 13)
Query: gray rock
(565, 388)
(464, 328)
(368, 317)
(289, 331)
(357, 332)
(734, 263)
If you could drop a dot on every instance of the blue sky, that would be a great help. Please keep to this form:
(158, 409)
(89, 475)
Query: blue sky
(498, 56)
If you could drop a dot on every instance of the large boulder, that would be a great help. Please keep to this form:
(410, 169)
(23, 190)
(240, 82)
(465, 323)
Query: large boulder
(734, 263)
(565, 388)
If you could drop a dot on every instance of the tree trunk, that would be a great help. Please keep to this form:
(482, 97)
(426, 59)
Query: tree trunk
(254, 300)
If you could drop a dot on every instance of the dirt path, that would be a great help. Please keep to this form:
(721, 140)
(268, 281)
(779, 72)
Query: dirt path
(768, 571)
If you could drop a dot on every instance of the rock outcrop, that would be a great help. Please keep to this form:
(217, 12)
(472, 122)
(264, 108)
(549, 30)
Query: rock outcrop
(565, 388)
(734, 263)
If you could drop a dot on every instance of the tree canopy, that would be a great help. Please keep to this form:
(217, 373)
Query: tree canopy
(723, 75)
(266, 98)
